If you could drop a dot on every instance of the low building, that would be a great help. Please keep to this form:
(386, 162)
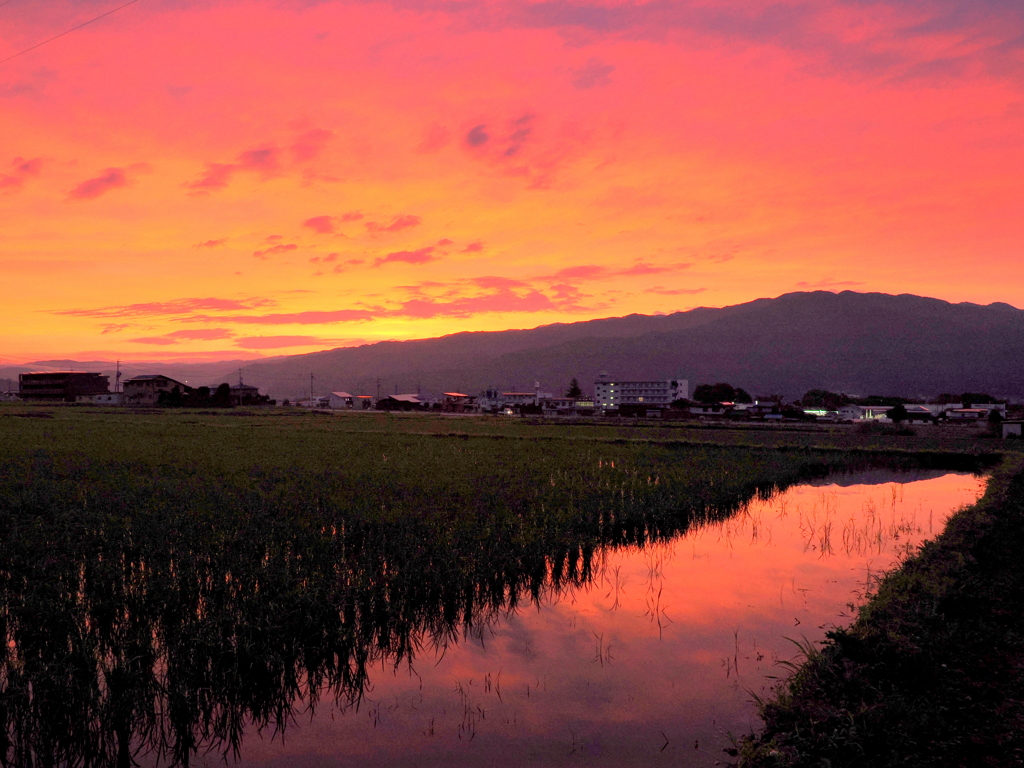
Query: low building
(244, 394)
(63, 386)
(341, 401)
(148, 389)
(967, 414)
(609, 394)
(457, 402)
(401, 403)
(104, 398)
(567, 406)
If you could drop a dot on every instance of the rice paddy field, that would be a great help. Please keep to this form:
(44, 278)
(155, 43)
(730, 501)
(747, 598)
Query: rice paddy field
(176, 584)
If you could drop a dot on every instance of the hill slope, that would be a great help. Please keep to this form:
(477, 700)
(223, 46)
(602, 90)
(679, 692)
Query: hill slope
(860, 343)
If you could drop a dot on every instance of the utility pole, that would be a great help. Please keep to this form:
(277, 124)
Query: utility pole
(117, 378)
(239, 378)
(311, 390)
(378, 388)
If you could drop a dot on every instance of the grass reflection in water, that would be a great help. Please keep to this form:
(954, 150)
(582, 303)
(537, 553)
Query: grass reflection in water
(160, 607)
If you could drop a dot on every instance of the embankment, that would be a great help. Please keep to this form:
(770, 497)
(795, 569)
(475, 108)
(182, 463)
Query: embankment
(932, 671)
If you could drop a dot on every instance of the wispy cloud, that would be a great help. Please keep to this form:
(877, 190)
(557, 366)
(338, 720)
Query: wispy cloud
(90, 189)
(211, 243)
(419, 256)
(662, 291)
(169, 308)
(397, 224)
(273, 250)
(21, 171)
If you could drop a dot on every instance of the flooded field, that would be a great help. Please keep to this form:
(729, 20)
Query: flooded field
(649, 657)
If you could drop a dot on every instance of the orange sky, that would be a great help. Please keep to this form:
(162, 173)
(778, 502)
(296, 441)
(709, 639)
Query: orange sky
(232, 177)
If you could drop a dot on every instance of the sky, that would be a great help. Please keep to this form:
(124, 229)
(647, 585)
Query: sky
(242, 178)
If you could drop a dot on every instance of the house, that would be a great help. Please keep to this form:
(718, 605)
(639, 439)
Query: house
(457, 402)
(567, 406)
(610, 394)
(103, 398)
(967, 414)
(243, 394)
(341, 400)
(61, 385)
(147, 390)
(710, 409)
(401, 403)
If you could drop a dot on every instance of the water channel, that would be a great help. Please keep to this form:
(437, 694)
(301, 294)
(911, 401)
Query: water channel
(651, 662)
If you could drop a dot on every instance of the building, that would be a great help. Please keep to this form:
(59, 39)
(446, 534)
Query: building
(967, 414)
(341, 400)
(567, 406)
(610, 394)
(243, 394)
(62, 386)
(401, 403)
(457, 402)
(104, 398)
(146, 390)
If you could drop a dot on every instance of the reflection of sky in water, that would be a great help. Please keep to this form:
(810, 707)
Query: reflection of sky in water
(653, 662)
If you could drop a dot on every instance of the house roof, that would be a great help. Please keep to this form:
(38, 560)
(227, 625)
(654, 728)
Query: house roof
(405, 398)
(342, 394)
(152, 377)
(455, 394)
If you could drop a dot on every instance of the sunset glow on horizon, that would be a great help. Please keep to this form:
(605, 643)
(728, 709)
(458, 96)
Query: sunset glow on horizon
(241, 178)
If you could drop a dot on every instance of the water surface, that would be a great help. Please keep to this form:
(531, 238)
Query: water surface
(652, 661)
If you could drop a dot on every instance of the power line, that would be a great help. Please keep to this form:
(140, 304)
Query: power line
(85, 24)
(6, 2)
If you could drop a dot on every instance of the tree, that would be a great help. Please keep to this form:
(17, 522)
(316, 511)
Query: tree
(897, 414)
(822, 398)
(222, 397)
(719, 393)
(574, 389)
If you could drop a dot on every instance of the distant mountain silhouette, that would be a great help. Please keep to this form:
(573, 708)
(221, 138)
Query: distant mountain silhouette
(858, 343)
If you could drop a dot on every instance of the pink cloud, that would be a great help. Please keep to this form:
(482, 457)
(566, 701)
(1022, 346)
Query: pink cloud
(276, 342)
(265, 160)
(22, 170)
(216, 176)
(419, 256)
(175, 307)
(474, 247)
(826, 284)
(157, 340)
(397, 224)
(203, 334)
(323, 225)
(211, 243)
(110, 178)
(642, 268)
(661, 291)
(311, 144)
(288, 318)
(274, 250)
(436, 137)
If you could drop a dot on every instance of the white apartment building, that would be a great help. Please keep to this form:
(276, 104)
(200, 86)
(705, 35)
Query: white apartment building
(613, 394)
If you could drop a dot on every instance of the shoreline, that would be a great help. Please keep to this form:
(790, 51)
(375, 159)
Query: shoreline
(932, 670)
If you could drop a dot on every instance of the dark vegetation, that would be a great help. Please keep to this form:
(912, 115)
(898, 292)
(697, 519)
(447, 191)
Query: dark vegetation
(168, 577)
(932, 672)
